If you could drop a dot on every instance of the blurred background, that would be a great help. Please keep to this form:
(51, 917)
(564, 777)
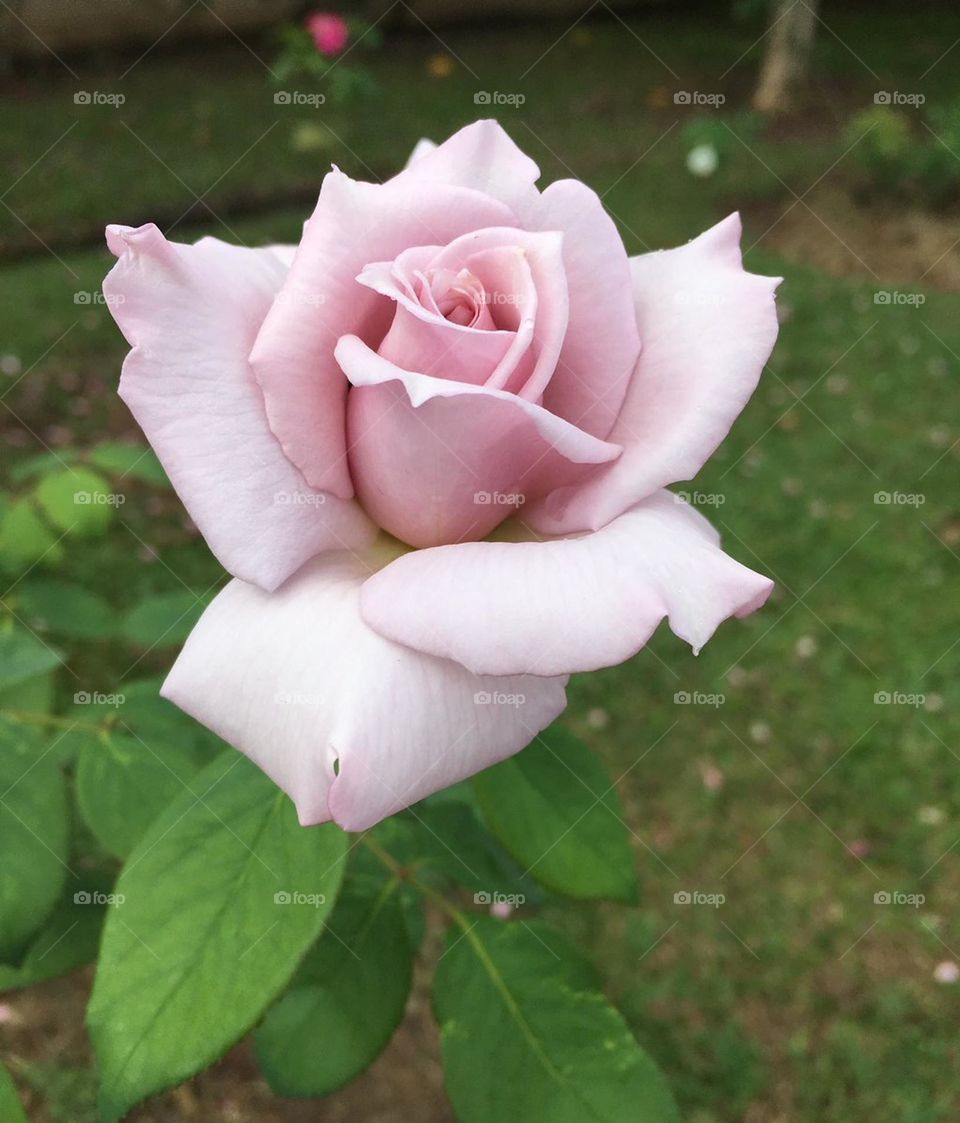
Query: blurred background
(804, 767)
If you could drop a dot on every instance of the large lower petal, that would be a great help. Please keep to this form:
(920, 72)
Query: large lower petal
(438, 461)
(354, 224)
(351, 726)
(707, 327)
(601, 344)
(568, 604)
(191, 313)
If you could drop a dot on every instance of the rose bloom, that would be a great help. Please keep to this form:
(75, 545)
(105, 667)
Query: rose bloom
(430, 443)
(328, 31)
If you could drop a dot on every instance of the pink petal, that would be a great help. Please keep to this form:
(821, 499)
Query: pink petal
(601, 345)
(422, 148)
(707, 327)
(353, 224)
(420, 338)
(434, 461)
(543, 254)
(565, 605)
(482, 157)
(298, 682)
(191, 313)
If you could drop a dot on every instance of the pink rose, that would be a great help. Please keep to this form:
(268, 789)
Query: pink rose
(328, 31)
(475, 367)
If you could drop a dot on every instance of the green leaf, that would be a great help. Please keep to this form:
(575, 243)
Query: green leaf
(345, 1001)
(11, 1110)
(34, 832)
(203, 941)
(69, 937)
(23, 656)
(127, 460)
(164, 620)
(40, 463)
(66, 609)
(525, 1035)
(77, 500)
(32, 695)
(25, 538)
(124, 782)
(554, 808)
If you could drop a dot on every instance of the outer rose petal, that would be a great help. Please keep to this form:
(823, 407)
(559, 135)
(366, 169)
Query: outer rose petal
(191, 313)
(422, 148)
(297, 681)
(480, 156)
(707, 328)
(569, 604)
(353, 224)
(422, 448)
(601, 345)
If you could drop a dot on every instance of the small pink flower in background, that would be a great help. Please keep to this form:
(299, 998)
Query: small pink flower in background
(329, 32)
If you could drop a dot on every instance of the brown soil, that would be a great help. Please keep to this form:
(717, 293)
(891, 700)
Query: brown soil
(403, 1084)
(883, 242)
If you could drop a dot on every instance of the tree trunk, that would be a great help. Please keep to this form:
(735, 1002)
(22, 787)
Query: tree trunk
(785, 63)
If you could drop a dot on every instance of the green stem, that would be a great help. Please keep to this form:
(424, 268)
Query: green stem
(403, 873)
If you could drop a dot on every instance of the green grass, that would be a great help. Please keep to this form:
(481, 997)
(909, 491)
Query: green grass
(798, 998)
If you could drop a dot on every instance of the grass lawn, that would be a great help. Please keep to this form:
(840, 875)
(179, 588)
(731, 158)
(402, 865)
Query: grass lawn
(784, 786)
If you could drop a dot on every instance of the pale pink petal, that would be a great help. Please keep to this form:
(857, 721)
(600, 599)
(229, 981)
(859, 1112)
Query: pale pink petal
(191, 313)
(482, 157)
(601, 344)
(354, 223)
(568, 604)
(299, 683)
(423, 147)
(421, 338)
(706, 328)
(439, 461)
